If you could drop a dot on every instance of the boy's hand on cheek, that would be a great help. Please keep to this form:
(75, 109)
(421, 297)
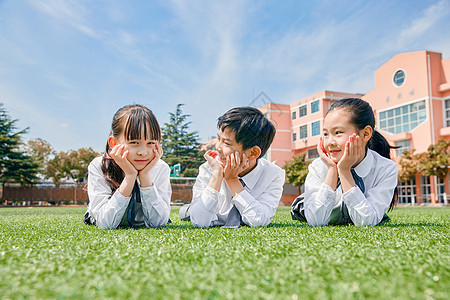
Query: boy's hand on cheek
(235, 165)
(216, 179)
(120, 156)
(212, 161)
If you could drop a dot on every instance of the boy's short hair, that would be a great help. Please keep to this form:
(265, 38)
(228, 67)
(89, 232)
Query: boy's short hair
(250, 126)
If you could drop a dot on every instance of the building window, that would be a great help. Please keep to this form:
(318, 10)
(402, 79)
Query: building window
(441, 191)
(302, 111)
(447, 113)
(399, 77)
(404, 118)
(403, 145)
(425, 189)
(407, 191)
(294, 115)
(312, 154)
(294, 136)
(315, 106)
(303, 133)
(315, 128)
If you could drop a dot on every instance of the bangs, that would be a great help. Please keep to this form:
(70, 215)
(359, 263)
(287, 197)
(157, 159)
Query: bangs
(142, 122)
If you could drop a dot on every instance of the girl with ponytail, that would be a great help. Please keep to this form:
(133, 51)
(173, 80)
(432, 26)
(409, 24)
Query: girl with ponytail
(354, 181)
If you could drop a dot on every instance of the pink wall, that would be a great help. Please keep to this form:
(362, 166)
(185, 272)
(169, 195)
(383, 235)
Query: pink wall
(279, 115)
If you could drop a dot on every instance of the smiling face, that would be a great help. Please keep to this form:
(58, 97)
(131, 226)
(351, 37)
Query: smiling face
(141, 150)
(336, 131)
(226, 144)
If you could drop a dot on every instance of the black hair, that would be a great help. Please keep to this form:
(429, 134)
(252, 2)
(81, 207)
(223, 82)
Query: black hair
(361, 115)
(132, 121)
(250, 126)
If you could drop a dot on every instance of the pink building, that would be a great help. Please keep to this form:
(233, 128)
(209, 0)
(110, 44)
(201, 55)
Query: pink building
(411, 100)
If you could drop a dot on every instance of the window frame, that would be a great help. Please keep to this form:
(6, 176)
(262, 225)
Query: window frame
(305, 131)
(312, 128)
(315, 102)
(303, 111)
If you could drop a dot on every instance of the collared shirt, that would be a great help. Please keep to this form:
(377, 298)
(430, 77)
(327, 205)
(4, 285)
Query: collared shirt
(322, 203)
(257, 203)
(108, 209)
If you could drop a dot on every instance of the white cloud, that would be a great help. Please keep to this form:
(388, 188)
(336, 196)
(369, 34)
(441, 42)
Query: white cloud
(73, 13)
(419, 26)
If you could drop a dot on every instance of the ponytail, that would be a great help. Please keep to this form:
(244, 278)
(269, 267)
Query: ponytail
(380, 145)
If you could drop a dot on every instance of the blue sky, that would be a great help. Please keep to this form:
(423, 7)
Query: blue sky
(67, 66)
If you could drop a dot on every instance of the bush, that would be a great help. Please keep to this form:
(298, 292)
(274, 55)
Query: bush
(191, 172)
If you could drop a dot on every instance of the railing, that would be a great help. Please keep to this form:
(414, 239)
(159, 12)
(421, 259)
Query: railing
(75, 194)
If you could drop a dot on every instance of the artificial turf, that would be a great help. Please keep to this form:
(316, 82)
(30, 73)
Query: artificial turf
(50, 253)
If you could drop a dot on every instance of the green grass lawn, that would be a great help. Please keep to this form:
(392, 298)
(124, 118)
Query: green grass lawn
(50, 253)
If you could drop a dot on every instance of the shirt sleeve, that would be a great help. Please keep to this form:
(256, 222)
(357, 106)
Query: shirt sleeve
(105, 208)
(368, 209)
(319, 197)
(156, 199)
(204, 200)
(259, 211)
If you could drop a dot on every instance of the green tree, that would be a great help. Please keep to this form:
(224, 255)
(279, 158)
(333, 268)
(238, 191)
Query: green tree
(41, 151)
(15, 165)
(73, 163)
(436, 160)
(297, 169)
(409, 164)
(180, 145)
(78, 162)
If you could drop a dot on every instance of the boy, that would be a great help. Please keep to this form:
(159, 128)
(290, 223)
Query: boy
(239, 187)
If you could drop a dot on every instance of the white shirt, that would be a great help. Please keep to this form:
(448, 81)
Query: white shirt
(257, 203)
(322, 203)
(108, 209)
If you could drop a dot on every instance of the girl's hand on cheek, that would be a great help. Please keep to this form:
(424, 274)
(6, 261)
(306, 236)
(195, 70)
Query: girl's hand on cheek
(352, 153)
(157, 154)
(324, 154)
(120, 156)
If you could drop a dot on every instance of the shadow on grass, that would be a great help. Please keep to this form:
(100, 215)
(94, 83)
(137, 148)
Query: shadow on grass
(278, 225)
(271, 225)
(283, 225)
(412, 225)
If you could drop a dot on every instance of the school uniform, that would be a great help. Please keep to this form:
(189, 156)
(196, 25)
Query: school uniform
(109, 210)
(257, 203)
(323, 205)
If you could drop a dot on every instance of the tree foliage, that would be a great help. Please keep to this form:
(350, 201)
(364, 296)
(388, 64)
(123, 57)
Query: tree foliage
(409, 164)
(435, 161)
(15, 164)
(179, 144)
(40, 151)
(297, 169)
(73, 163)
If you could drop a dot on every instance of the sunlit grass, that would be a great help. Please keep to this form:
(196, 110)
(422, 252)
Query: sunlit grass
(50, 253)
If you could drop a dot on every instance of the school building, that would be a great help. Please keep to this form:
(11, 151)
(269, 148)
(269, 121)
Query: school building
(411, 101)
